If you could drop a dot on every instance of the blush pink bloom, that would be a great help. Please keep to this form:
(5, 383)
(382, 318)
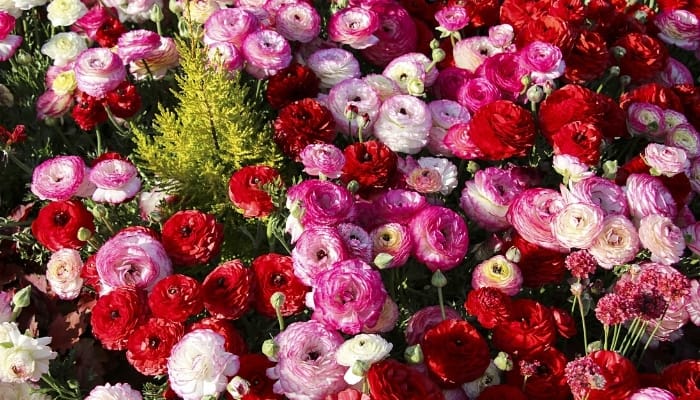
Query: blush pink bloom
(354, 93)
(323, 159)
(577, 225)
(121, 391)
(116, 180)
(617, 243)
(664, 239)
(498, 272)
(599, 191)
(653, 393)
(298, 21)
(532, 212)
(52, 105)
(348, 296)
(357, 241)
(150, 203)
(61, 178)
(680, 28)
(445, 114)
(317, 249)
(387, 318)
(306, 362)
(470, 53)
(63, 273)
(225, 55)
(392, 239)
(459, 142)
(452, 18)
(397, 34)
(266, 52)
(158, 63)
(543, 60)
(333, 66)
(501, 36)
(647, 195)
(230, 25)
(691, 233)
(99, 71)
(137, 44)
(385, 87)
(693, 303)
(440, 238)
(403, 124)
(476, 93)
(424, 319)
(666, 160)
(132, 259)
(354, 26)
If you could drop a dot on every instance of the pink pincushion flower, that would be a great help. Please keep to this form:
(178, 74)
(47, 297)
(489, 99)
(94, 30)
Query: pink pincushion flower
(298, 21)
(452, 18)
(617, 242)
(440, 238)
(354, 26)
(476, 93)
(543, 60)
(577, 225)
(137, 44)
(584, 375)
(266, 52)
(666, 160)
(116, 180)
(581, 264)
(323, 159)
(531, 213)
(600, 191)
(121, 391)
(424, 319)
(647, 195)
(317, 249)
(394, 240)
(613, 309)
(306, 362)
(679, 27)
(61, 178)
(199, 365)
(498, 272)
(132, 259)
(230, 25)
(664, 239)
(98, 71)
(348, 296)
(353, 93)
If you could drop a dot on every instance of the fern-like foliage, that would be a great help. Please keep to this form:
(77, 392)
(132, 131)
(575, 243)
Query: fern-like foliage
(216, 128)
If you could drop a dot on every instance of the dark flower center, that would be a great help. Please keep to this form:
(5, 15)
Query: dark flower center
(185, 231)
(220, 282)
(313, 356)
(61, 218)
(153, 342)
(278, 280)
(114, 314)
(321, 254)
(172, 290)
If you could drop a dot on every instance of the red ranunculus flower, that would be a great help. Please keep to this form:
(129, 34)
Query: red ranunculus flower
(275, 273)
(455, 353)
(502, 129)
(539, 266)
(683, 378)
(228, 290)
(481, 12)
(293, 83)
(124, 101)
(115, 316)
(109, 32)
(530, 330)
(302, 123)
(89, 274)
(57, 224)
(246, 193)
(234, 342)
(517, 13)
(371, 164)
(489, 305)
(88, 112)
(253, 369)
(176, 298)
(644, 58)
(588, 59)
(547, 382)
(689, 96)
(621, 379)
(150, 344)
(500, 392)
(579, 139)
(391, 380)
(566, 327)
(547, 28)
(192, 237)
(653, 93)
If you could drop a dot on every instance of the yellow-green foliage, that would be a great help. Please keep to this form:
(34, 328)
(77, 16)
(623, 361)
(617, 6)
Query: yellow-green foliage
(216, 128)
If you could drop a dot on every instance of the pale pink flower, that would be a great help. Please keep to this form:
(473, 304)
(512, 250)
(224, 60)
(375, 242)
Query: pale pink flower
(500, 273)
(354, 26)
(577, 225)
(666, 160)
(403, 124)
(150, 202)
(354, 93)
(445, 114)
(664, 239)
(119, 391)
(323, 159)
(299, 21)
(53, 105)
(99, 71)
(471, 52)
(226, 56)
(63, 273)
(686, 137)
(571, 168)
(388, 318)
(230, 25)
(653, 393)
(116, 180)
(532, 212)
(137, 44)
(501, 36)
(61, 178)
(617, 243)
(647, 195)
(385, 87)
(598, 191)
(333, 66)
(266, 52)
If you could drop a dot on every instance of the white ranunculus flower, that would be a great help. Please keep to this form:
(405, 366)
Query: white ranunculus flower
(366, 348)
(64, 47)
(65, 12)
(446, 169)
(199, 366)
(27, 359)
(20, 391)
(403, 124)
(119, 391)
(29, 4)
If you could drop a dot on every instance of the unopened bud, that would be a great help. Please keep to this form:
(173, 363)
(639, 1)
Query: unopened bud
(270, 349)
(610, 169)
(614, 70)
(438, 55)
(439, 280)
(415, 87)
(618, 52)
(595, 346)
(353, 186)
(156, 13)
(360, 368)
(625, 80)
(277, 300)
(434, 44)
(22, 298)
(84, 234)
(503, 361)
(525, 80)
(513, 254)
(238, 387)
(473, 167)
(23, 58)
(535, 93)
(382, 260)
(413, 354)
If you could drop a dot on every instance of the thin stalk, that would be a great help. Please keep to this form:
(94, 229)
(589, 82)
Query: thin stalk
(441, 300)
(583, 322)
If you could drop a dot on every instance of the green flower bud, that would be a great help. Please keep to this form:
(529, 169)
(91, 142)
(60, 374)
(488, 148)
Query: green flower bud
(439, 279)
(353, 186)
(438, 55)
(618, 52)
(382, 260)
(610, 169)
(22, 298)
(84, 234)
(270, 349)
(23, 58)
(503, 361)
(277, 300)
(360, 368)
(413, 354)
(156, 13)
(434, 44)
(513, 254)
(535, 94)
(415, 87)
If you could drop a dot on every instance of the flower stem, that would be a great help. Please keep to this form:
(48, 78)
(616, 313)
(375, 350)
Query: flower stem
(98, 136)
(442, 303)
(583, 323)
(606, 330)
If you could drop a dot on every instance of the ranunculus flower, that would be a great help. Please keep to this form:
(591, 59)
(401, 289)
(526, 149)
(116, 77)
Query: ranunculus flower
(225, 56)
(323, 159)
(63, 273)
(653, 393)
(192, 237)
(681, 378)
(245, 189)
(371, 164)
(666, 160)
(322, 202)
(490, 306)
(318, 248)
(399, 205)
(679, 27)
(333, 66)
(348, 296)
(530, 329)
(306, 362)
(65, 12)
(57, 224)
(476, 93)
(122, 391)
(577, 225)
(449, 81)
(645, 56)
(26, 358)
(356, 94)
(149, 346)
(458, 139)
(61, 178)
(647, 195)
(117, 180)
(392, 239)
(621, 379)
(204, 349)
(266, 52)
(228, 290)
(543, 60)
(471, 52)
(293, 83)
(686, 137)
(424, 319)
(455, 352)
(445, 114)
(158, 63)
(230, 25)
(299, 21)
(531, 213)
(502, 129)
(275, 273)
(251, 380)
(365, 348)
(440, 238)
(354, 26)
(388, 318)
(116, 315)
(452, 18)
(98, 71)
(506, 71)
(646, 119)
(617, 243)
(137, 44)
(51, 104)
(64, 47)
(357, 241)
(539, 265)
(579, 139)
(397, 34)
(570, 168)
(500, 273)
(233, 339)
(598, 191)
(403, 124)
(389, 379)
(410, 69)
(301, 123)
(176, 298)
(662, 237)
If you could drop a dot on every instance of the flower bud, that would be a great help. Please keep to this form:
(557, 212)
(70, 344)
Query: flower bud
(353, 186)
(625, 80)
(473, 167)
(156, 13)
(535, 93)
(270, 349)
(503, 361)
(22, 298)
(434, 44)
(610, 169)
(614, 70)
(277, 300)
(594, 346)
(23, 58)
(439, 280)
(360, 368)
(438, 55)
(413, 354)
(382, 260)
(238, 387)
(618, 52)
(415, 87)
(84, 234)
(513, 254)
(350, 112)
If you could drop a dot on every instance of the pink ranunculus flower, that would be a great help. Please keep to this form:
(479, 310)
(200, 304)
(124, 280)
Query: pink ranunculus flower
(476, 93)
(63, 273)
(357, 94)
(357, 241)
(158, 63)
(61, 178)
(486, 198)
(121, 391)
(397, 34)
(471, 52)
(445, 114)
(506, 72)
(387, 318)
(137, 44)
(675, 73)
(333, 66)
(150, 202)
(98, 71)
(306, 362)
(599, 191)
(647, 195)
(617, 243)
(266, 52)
(392, 239)
(7, 24)
(399, 205)
(440, 238)
(577, 225)
(385, 87)
(500, 273)
(449, 81)
(322, 202)
(354, 26)
(694, 175)
(132, 259)
(543, 60)
(647, 120)
(424, 319)
(653, 393)
(452, 18)
(323, 159)
(5, 306)
(680, 28)
(116, 180)
(532, 212)
(348, 296)
(199, 365)
(226, 56)
(230, 25)
(411, 67)
(691, 233)
(673, 118)
(571, 168)
(53, 105)
(664, 239)
(666, 160)
(298, 21)
(403, 124)
(9, 45)
(317, 249)
(458, 140)
(692, 305)
(501, 36)
(686, 137)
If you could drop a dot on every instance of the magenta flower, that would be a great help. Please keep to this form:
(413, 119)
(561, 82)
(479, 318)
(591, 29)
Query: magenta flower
(486, 198)
(322, 202)
(316, 250)
(353, 93)
(543, 60)
(445, 114)
(399, 205)
(137, 44)
(266, 52)
(532, 213)
(116, 180)
(397, 34)
(354, 26)
(645, 119)
(98, 71)
(679, 27)
(230, 25)
(348, 296)
(298, 21)
(8, 43)
(61, 178)
(52, 105)
(653, 393)
(476, 93)
(323, 159)
(440, 238)
(452, 18)
(357, 241)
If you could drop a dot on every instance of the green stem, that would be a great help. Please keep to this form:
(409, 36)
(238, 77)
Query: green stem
(651, 337)
(98, 136)
(280, 318)
(606, 331)
(114, 122)
(442, 303)
(628, 336)
(583, 323)
(283, 242)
